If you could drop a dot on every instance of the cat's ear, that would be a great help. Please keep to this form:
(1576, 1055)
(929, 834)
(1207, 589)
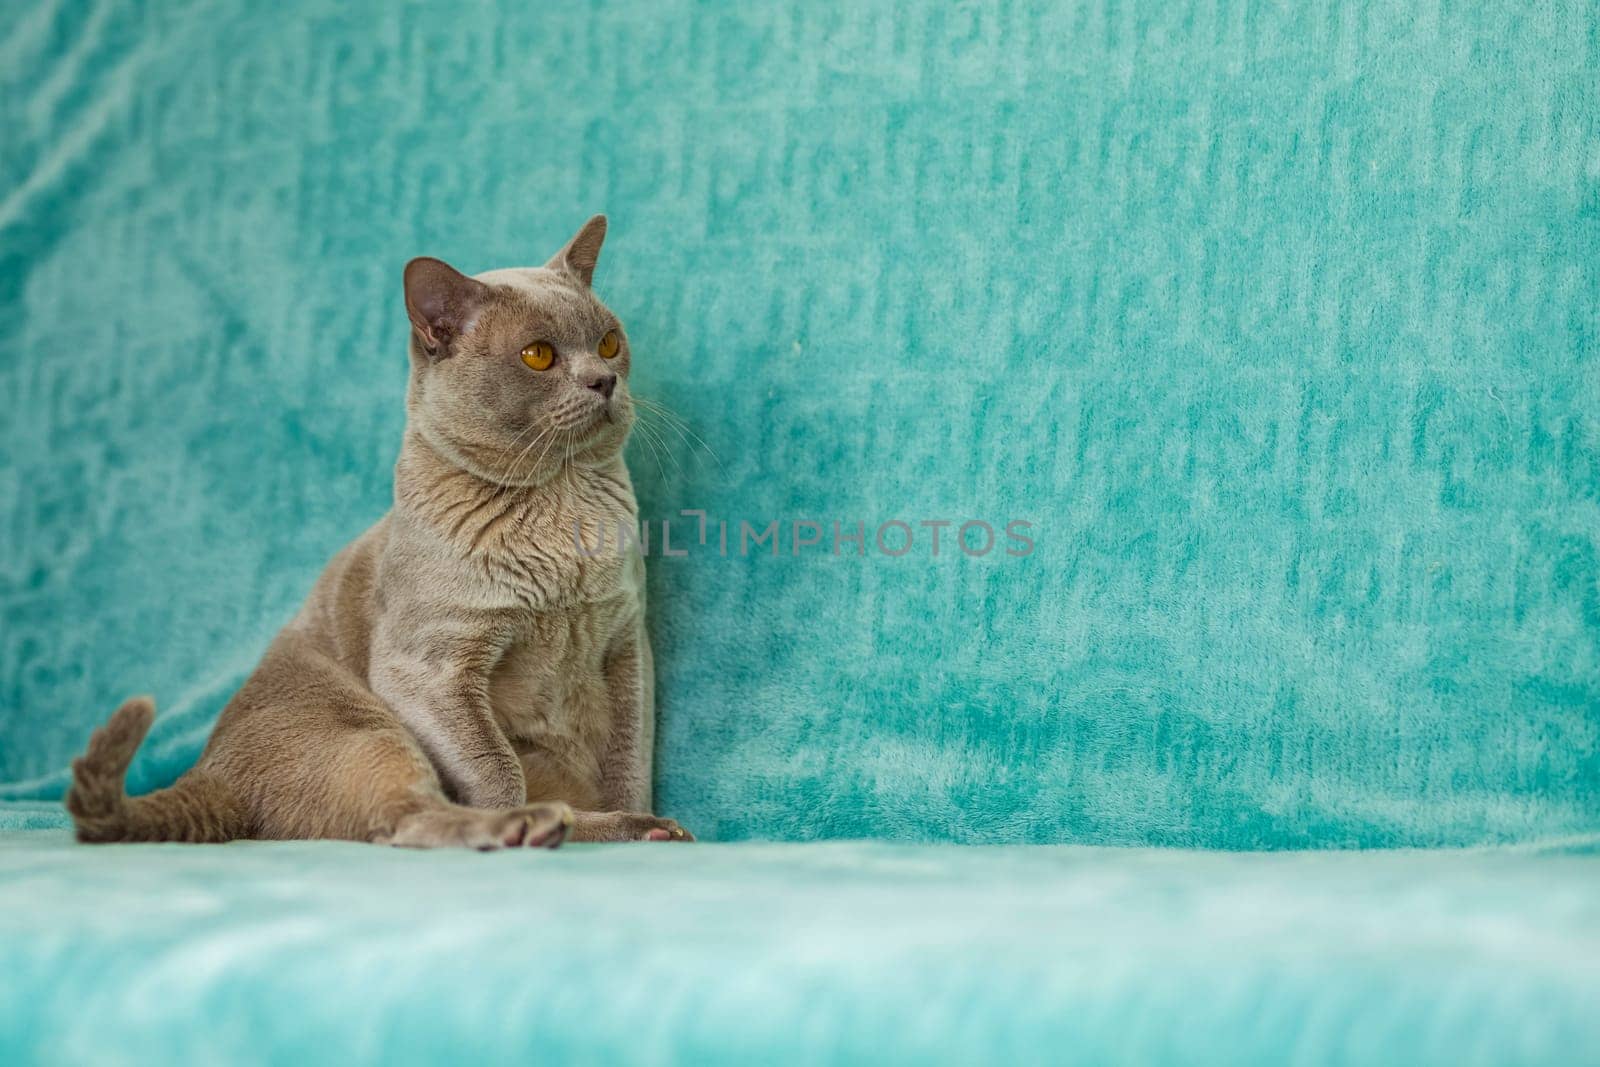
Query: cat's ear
(441, 302)
(582, 252)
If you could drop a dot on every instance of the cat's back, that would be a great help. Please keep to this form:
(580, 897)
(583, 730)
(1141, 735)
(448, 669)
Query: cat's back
(338, 614)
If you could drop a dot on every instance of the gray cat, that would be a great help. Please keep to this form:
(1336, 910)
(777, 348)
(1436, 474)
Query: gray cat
(463, 673)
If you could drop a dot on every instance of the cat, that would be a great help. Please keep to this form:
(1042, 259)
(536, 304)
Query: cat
(465, 673)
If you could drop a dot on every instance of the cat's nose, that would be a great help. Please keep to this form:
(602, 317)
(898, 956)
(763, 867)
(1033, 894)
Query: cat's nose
(604, 384)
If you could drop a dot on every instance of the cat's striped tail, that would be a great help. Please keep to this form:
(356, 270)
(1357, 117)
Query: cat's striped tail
(196, 808)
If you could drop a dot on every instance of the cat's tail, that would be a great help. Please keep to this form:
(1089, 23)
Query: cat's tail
(197, 808)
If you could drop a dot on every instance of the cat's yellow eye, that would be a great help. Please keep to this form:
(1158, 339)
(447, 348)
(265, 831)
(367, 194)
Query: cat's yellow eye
(539, 355)
(609, 344)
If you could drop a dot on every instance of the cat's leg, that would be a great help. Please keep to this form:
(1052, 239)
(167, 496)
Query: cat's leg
(610, 788)
(434, 678)
(627, 762)
(371, 782)
(625, 826)
(313, 753)
(554, 770)
(617, 807)
(451, 825)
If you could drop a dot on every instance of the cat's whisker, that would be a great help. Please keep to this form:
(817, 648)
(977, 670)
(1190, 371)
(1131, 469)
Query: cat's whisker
(681, 436)
(515, 441)
(681, 426)
(516, 464)
(666, 449)
(511, 468)
(555, 435)
(644, 435)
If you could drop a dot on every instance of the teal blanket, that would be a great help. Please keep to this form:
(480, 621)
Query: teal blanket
(1272, 327)
(779, 954)
(1276, 322)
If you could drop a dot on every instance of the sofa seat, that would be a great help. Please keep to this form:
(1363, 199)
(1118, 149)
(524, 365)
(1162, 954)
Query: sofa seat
(313, 952)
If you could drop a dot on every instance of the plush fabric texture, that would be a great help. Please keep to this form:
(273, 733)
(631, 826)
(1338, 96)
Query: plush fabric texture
(866, 953)
(1277, 322)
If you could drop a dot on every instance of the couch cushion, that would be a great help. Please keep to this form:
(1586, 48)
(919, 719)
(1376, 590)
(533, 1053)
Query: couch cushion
(841, 953)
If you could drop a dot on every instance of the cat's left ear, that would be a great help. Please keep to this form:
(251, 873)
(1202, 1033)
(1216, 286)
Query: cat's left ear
(582, 252)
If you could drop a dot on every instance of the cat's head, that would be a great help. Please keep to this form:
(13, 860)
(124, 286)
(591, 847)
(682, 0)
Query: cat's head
(515, 372)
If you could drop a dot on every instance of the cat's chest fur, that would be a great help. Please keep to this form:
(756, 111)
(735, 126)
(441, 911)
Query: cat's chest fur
(571, 603)
(543, 551)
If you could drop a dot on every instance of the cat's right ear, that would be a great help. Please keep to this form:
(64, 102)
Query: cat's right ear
(441, 302)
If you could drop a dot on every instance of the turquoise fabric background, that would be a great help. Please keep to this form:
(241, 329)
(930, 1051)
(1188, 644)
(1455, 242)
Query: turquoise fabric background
(1278, 322)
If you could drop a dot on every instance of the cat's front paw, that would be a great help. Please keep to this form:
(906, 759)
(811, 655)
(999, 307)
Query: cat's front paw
(535, 826)
(664, 830)
(627, 826)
